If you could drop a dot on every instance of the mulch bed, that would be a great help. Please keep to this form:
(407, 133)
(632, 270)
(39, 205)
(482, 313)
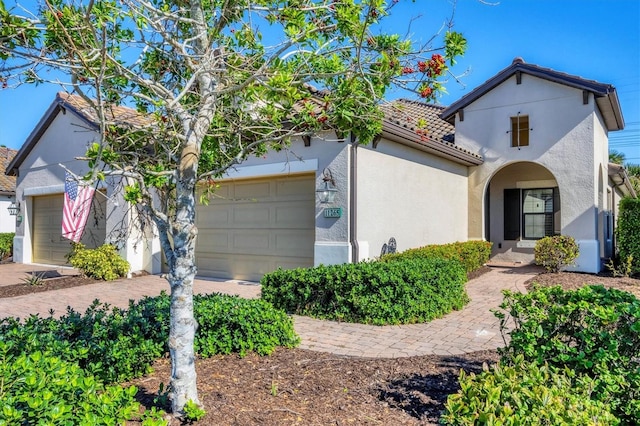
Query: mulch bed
(300, 387)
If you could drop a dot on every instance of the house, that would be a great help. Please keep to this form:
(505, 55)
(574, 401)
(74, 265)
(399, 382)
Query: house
(522, 156)
(544, 137)
(7, 191)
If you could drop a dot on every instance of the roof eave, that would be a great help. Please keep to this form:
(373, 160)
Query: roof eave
(599, 90)
(409, 138)
(56, 106)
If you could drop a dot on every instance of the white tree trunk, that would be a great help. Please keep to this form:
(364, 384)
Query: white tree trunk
(183, 270)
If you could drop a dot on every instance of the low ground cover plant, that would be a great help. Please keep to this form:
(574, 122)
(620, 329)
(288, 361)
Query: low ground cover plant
(589, 342)
(106, 345)
(526, 393)
(400, 292)
(471, 254)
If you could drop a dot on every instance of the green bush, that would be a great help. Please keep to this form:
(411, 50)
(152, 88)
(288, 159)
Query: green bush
(399, 292)
(6, 244)
(526, 393)
(231, 324)
(471, 254)
(628, 232)
(555, 252)
(39, 388)
(102, 263)
(593, 330)
(117, 345)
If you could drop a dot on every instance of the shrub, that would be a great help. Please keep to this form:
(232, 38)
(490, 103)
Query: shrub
(40, 388)
(231, 324)
(117, 345)
(525, 394)
(399, 292)
(555, 252)
(628, 232)
(6, 244)
(471, 254)
(102, 263)
(594, 331)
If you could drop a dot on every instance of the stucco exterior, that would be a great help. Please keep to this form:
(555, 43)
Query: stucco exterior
(452, 178)
(414, 197)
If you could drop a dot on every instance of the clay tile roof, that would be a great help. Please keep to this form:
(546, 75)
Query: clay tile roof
(421, 123)
(7, 183)
(116, 114)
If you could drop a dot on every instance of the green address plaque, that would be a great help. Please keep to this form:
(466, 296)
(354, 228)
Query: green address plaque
(333, 212)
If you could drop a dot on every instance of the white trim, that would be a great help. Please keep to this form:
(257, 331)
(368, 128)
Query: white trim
(43, 190)
(272, 169)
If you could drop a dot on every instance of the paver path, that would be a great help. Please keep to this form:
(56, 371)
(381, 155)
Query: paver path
(471, 329)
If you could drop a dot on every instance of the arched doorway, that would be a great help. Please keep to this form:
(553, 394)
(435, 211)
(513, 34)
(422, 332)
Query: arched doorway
(522, 205)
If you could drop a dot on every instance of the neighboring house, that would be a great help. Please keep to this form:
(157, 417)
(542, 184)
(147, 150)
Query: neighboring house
(474, 170)
(7, 191)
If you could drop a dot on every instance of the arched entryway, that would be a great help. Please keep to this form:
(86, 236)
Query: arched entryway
(522, 205)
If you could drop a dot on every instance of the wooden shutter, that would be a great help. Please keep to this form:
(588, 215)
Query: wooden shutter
(512, 214)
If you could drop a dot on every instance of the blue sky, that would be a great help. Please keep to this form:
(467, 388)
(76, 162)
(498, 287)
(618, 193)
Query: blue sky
(594, 39)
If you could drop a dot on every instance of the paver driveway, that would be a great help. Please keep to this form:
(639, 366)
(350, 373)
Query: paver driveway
(471, 329)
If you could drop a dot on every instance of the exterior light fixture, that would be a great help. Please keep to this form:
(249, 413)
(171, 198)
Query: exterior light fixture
(14, 208)
(327, 191)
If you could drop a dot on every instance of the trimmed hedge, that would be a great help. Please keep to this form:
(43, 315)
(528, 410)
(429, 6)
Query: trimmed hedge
(6, 244)
(400, 292)
(628, 233)
(593, 331)
(101, 263)
(471, 254)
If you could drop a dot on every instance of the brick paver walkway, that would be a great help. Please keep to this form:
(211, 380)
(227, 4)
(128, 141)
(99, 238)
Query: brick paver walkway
(471, 329)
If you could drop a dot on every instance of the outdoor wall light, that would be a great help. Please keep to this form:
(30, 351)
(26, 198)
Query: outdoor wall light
(14, 208)
(327, 191)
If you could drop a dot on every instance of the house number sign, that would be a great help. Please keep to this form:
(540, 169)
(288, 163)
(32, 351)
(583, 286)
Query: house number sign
(333, 212)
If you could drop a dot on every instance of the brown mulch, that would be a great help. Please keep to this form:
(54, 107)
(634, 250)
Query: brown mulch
(575, 280)
(300, 387)
(66, 281)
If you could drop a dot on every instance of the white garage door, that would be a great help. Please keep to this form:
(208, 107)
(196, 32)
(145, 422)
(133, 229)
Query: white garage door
(252, 227)
(48, 245)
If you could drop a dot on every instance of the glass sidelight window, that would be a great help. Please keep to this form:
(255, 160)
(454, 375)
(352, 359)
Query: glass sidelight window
(529, 213)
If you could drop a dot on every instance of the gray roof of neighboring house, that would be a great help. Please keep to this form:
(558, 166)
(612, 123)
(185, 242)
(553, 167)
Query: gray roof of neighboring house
(605, 94)
(7, 183)
(419, 125)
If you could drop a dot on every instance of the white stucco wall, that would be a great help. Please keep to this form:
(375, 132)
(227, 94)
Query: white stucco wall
(7, 222)
(562, 139)
(412, 196)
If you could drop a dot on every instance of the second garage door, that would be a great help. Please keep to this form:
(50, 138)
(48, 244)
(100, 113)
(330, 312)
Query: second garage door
(252, 227)
(49, 247)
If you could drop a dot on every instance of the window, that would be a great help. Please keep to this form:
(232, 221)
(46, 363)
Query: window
(520, 131)
(530, 214)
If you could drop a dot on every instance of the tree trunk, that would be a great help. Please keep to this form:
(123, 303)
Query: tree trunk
(183, 270)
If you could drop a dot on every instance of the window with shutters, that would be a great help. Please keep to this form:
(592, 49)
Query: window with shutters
(529, 214)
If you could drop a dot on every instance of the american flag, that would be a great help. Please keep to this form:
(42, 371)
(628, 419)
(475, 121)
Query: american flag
(77, 205)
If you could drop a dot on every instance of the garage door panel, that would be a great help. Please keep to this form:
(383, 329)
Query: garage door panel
(298, 188)
(251, 216)
(261, 225)
(294, 216)
(248, 190)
